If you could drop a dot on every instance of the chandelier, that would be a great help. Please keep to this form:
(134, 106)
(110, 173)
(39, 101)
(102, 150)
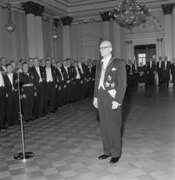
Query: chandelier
(54, 28)
(9, 26)
(129, 13)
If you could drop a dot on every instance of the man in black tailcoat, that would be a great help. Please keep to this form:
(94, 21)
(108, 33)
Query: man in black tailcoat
(173, 72)
(67, 78)
(60, 90)
(36, 72)
(50, 79)
(150, 68)
(11, 84)
(3, 102)
(159, 70)
(110, 87)
(166, 66)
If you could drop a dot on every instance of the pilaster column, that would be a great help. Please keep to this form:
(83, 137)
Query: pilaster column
(39, 37)
(167, 10)
(127, 51)
(159, 48)
(34, 28)
(105, 18)
(130, 50)
(116, 40)
(31, 35)
(162, 47)
(173, 31)
(66, 21)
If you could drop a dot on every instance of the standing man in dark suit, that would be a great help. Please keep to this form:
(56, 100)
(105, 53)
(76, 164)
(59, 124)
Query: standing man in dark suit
(50, 86)
(60, 91)
(3, 102)
(11, 84)
(159, 70)
(67, 78)
(173, 72)
(36, 72)
(166, 66)
(27, 92)
(150, 67)
(110, 87)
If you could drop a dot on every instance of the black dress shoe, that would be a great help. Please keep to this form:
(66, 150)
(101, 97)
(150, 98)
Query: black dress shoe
(114, 160)
(103, 156)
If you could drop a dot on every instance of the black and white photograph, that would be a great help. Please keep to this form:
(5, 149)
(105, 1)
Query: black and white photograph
(87, 89)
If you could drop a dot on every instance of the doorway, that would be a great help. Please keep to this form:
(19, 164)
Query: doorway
(143, 53)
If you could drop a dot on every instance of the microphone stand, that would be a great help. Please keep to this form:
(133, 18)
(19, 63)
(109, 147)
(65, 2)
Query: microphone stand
(22, 155)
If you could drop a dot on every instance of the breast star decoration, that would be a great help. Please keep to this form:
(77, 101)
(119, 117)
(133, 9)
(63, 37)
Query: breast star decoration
(109, 78)
(113, 85)
(107, 84)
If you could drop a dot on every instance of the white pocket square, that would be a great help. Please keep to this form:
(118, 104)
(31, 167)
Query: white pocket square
(112, 92)
(114, 69)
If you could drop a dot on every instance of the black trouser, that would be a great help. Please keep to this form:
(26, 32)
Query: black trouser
(110, 123)
(27, 103)
(2, 108)
(13, 108)
(39, 101)
(49, 104)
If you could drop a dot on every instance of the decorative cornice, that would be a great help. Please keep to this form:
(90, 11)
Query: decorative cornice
(87, 20)
(67, 20)
(167, 8)
(56, 22)
(105, 16)
(33, 8)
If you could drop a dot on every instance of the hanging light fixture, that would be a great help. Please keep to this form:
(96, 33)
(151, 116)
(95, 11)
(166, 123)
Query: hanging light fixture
(129, 13)
(9, 26)
(54, 29)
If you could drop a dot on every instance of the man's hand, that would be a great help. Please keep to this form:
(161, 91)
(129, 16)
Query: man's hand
(115, 105)
(95, 102)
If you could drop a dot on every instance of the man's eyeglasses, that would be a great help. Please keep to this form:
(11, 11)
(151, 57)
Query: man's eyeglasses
(105, 47)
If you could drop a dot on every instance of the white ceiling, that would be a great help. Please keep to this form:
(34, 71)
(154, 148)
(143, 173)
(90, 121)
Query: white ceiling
(78, 8)
(83, 8)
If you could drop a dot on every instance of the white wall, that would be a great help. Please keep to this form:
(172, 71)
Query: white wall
(13, 45)
(85, 40)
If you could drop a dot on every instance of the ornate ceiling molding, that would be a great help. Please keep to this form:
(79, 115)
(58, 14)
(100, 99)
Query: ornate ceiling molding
(31, 7)
(105, 16)
(67, 20)
(152, 25)
(167, 8)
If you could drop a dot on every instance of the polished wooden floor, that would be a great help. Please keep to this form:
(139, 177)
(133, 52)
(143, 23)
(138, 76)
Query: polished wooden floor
(67, 143)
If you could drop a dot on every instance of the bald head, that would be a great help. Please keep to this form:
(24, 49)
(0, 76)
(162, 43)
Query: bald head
(105, 48)
(106, 44)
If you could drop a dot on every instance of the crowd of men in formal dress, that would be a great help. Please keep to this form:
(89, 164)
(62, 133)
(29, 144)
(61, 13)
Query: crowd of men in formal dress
(161, 73)
(42, 86)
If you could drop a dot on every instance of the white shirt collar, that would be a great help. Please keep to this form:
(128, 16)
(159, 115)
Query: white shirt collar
(106, 61)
